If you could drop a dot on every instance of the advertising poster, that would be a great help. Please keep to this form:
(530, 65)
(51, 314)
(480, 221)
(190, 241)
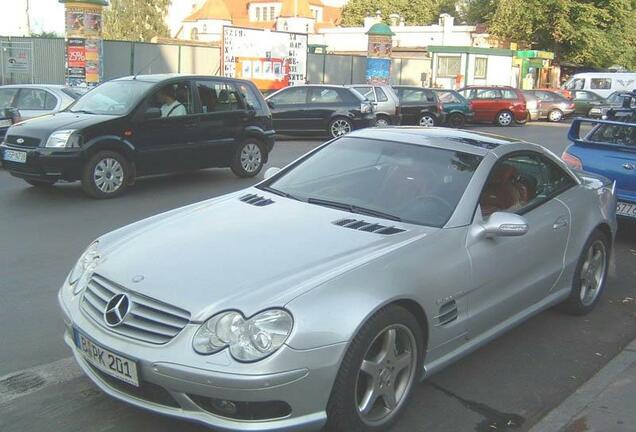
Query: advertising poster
(272, 60)
(83, 44)
(93, 51)
(379, 59)
(76, 62)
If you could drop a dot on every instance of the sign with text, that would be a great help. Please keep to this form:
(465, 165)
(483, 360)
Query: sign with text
(272, 60)
(19, 63)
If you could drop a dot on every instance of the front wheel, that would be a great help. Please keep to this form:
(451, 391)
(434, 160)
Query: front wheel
(505, 118)
(382, 121)
(555, 115)
(339, 127)
(377, 374)
(427, 120)
(456, 120)
(590, 275)
(248, 159)
(105, 175)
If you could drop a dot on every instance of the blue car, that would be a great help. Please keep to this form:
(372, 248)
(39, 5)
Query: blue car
(607, 147)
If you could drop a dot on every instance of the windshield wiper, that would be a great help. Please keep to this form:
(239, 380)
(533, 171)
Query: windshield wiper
(278, 192)
(353, 209)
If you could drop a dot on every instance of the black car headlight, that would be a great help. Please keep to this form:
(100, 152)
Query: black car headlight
(248, 340)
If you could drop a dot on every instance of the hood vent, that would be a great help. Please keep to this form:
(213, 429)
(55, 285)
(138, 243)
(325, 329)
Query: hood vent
(361, 225)
(447, 313)
(256, 200)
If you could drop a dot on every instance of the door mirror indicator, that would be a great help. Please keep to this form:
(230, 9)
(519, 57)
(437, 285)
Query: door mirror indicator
(152, 113)
(271, 172)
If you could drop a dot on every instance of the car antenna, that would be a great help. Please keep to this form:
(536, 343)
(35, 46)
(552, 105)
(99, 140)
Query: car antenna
(146, 66)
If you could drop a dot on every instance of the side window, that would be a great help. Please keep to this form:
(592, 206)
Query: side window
(581, 95)
(522, 182)
(217, 96)
(509, 94)
(487, 94)
(173, 100)
(576, 84)
(324, 95)
(469, 93)
(249, 93)
(367, 92)
(381, 96)
(7, 96)
(31, 99)
(601, 83)
(544, 96)
(50, 102)
(414, 95)
(291, 96)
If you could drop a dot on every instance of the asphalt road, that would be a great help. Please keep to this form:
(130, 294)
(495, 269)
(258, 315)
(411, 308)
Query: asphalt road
(505, 386)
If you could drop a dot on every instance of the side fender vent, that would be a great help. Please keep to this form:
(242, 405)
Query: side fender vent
(447, 313)
(256, 200)
(361, 225)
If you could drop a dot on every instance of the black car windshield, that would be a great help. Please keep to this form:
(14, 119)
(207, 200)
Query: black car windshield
(391, 180)
(112, 97)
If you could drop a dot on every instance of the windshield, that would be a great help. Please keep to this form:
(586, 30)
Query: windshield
(411, 183)
(113, 97)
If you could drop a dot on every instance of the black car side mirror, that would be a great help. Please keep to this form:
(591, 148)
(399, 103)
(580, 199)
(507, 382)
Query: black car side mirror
(271, 104)
(152, 113)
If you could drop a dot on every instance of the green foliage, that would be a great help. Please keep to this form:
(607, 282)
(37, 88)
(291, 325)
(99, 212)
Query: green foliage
(46, 35)
(136, 20)
(415, 12)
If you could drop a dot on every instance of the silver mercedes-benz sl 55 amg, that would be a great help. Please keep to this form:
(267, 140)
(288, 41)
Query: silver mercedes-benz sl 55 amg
(323, 294)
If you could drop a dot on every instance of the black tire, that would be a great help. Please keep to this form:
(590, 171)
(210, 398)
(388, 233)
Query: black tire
(120, 176)
(427, 120)
(456, 120)
(339, 126)
(504, 118)
(524, 121)
(555, 116)
(342, 410)
(40, 183)
(382, 121)
(575, 305)
(248, 159)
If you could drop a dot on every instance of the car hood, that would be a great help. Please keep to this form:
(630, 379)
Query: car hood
(42, 127)
(228, 254)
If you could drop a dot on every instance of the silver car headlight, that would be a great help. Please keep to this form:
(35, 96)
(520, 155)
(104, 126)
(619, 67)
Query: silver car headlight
(247, 339)
(62, 139)
(84, 267)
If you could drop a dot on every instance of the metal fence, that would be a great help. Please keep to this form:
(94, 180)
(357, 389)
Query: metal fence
(127, 58)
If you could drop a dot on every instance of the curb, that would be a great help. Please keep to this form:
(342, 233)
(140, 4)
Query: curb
(560, 416)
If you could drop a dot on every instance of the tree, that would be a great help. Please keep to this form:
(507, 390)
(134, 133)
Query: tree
(414, 12)
(136, 20)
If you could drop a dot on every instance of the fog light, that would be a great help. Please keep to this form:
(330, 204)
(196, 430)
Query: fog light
(224, 406)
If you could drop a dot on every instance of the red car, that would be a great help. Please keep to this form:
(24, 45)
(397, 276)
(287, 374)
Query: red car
(502, 105)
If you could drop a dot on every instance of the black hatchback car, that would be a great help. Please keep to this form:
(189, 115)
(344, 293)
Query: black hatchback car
(135, 126)
(420, 106)
(316, 109)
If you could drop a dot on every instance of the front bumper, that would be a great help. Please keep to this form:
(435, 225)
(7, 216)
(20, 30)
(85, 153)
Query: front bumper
(44, 163)
(181, 378)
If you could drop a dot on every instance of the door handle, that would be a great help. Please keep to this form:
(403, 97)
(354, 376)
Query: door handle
(561, 222)
(629, 166)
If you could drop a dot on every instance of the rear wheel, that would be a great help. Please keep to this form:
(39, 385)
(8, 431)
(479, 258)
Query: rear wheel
(504, 118)
(40, 183)
(556, 115)
(106, 174)
(377, 374)
(427, 120)
(248, 159)
(456, 120)
(590, 275)
(340, 126)
(382, 121)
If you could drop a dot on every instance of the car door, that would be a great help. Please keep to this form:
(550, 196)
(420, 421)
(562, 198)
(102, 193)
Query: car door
(413, 102)
(322, 105)
(165, 139)
(222, 114)
(488, 102)
(583, 101)
(288, 107)
(510, 274)
(35, 102)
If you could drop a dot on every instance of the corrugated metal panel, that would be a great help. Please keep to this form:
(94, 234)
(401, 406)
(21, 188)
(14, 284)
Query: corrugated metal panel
(117, 59)
(48, 61)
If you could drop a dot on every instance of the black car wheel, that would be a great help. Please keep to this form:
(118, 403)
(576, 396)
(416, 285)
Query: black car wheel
(248, 159)
(427, 120)
(505, 118)
(106, 174)
(590, 275)
(40, 183)
(340, 126)
(556, 115)
(377, 373)
(456, 120)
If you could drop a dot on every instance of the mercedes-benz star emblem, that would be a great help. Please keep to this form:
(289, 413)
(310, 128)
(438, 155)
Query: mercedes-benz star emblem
(116, 310)
(20, 141)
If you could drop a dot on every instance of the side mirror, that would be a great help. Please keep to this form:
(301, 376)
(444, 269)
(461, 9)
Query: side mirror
(152, 113)
(271, 104)
(502, 224)
(271, 172)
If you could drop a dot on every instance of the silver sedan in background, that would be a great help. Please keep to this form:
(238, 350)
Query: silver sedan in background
(323, 294)
(35, 100)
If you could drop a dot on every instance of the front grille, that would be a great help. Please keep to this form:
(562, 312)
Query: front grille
(28, 141)
(146, 391)
(148, 320)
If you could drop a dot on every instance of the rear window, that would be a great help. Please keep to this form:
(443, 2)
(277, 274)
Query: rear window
(509, 94)
(253, 100)
(382, 97)
(72, 93)
(614, 134)
(7, 96)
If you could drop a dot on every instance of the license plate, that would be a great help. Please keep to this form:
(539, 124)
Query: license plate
(5, 123)
(626, 209)
(15, 156)
(107, 361)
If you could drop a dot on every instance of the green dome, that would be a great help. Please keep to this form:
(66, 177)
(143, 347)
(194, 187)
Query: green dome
(380, 29)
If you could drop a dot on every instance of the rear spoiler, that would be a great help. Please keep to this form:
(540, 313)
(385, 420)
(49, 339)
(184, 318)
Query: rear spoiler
(574, 134)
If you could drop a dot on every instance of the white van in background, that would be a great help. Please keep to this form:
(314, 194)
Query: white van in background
(602, 83)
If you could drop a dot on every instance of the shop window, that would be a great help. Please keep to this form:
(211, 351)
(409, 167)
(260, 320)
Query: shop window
(448, 66)
(481, 67)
